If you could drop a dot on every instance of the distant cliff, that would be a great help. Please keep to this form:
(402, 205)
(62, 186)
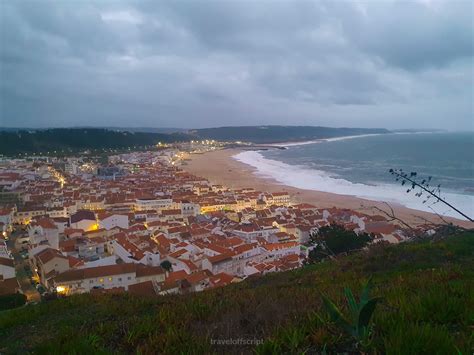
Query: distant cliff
(274, 134)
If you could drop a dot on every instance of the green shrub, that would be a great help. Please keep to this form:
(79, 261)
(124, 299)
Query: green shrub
(13, 300)
(335, 239)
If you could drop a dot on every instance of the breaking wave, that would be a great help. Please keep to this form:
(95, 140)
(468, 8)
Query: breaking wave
(305, 177)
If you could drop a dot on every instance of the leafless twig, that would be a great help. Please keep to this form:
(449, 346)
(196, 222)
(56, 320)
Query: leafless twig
(391, 215)
(424, 188)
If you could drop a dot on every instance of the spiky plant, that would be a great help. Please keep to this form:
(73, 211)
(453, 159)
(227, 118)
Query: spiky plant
(358, 323)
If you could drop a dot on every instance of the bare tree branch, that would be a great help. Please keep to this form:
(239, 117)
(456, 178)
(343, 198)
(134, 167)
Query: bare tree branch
(424, 187)
(440, 216)
(391, 215)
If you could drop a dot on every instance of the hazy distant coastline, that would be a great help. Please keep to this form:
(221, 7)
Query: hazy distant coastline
(13, 142)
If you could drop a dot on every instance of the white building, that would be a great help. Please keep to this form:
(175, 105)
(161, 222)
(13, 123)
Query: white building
(43, 231)
(111, 220)
(6, 217)
(278, 250)
(153, 204)
(7, 267)
(84, 220)
(106, 277)
(189, 208)
(136, 250)
(218, 263)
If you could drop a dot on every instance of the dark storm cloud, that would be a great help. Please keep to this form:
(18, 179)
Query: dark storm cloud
(208, 63)
(415, 35)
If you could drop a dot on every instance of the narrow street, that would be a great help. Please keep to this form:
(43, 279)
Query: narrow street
(23, 279)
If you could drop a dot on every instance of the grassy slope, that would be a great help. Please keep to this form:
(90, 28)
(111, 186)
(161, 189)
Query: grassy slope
(428, 308)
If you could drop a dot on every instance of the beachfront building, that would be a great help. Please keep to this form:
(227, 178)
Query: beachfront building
(278, 198)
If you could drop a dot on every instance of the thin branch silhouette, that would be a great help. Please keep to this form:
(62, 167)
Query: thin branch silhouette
(424, 186)
(391, 215)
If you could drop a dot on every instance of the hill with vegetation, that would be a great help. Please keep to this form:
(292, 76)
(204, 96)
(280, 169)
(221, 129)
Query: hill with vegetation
(47, 141)
(77, 139)
(426, 306)
(275, 134)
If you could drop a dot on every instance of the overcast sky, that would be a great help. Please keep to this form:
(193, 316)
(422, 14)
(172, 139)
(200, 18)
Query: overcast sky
(378, 63)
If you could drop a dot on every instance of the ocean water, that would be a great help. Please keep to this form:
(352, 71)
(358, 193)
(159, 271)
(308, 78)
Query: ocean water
(358, 166)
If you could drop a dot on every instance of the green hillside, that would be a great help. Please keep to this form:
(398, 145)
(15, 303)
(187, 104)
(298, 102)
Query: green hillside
(427, 308)
(77, 139)
(47, 141)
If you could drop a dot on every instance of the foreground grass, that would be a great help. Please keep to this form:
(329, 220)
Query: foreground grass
(428, 307)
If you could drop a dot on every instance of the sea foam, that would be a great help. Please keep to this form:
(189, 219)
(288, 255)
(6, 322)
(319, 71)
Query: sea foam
(304, 177)
(321, 140)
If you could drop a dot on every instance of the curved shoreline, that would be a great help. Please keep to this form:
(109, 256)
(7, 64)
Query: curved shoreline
(340, 138)
(303, 177)
(320, 140)
(220, 168)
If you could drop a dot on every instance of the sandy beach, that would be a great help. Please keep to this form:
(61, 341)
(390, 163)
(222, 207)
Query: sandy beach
(220, 168)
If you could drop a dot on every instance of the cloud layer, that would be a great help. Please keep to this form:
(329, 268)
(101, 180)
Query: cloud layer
(205, 63)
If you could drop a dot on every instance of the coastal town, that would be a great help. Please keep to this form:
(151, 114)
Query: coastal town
(138, 222)
(237, 177)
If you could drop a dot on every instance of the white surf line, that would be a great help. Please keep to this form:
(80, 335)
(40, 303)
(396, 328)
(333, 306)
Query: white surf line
(321, 140)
